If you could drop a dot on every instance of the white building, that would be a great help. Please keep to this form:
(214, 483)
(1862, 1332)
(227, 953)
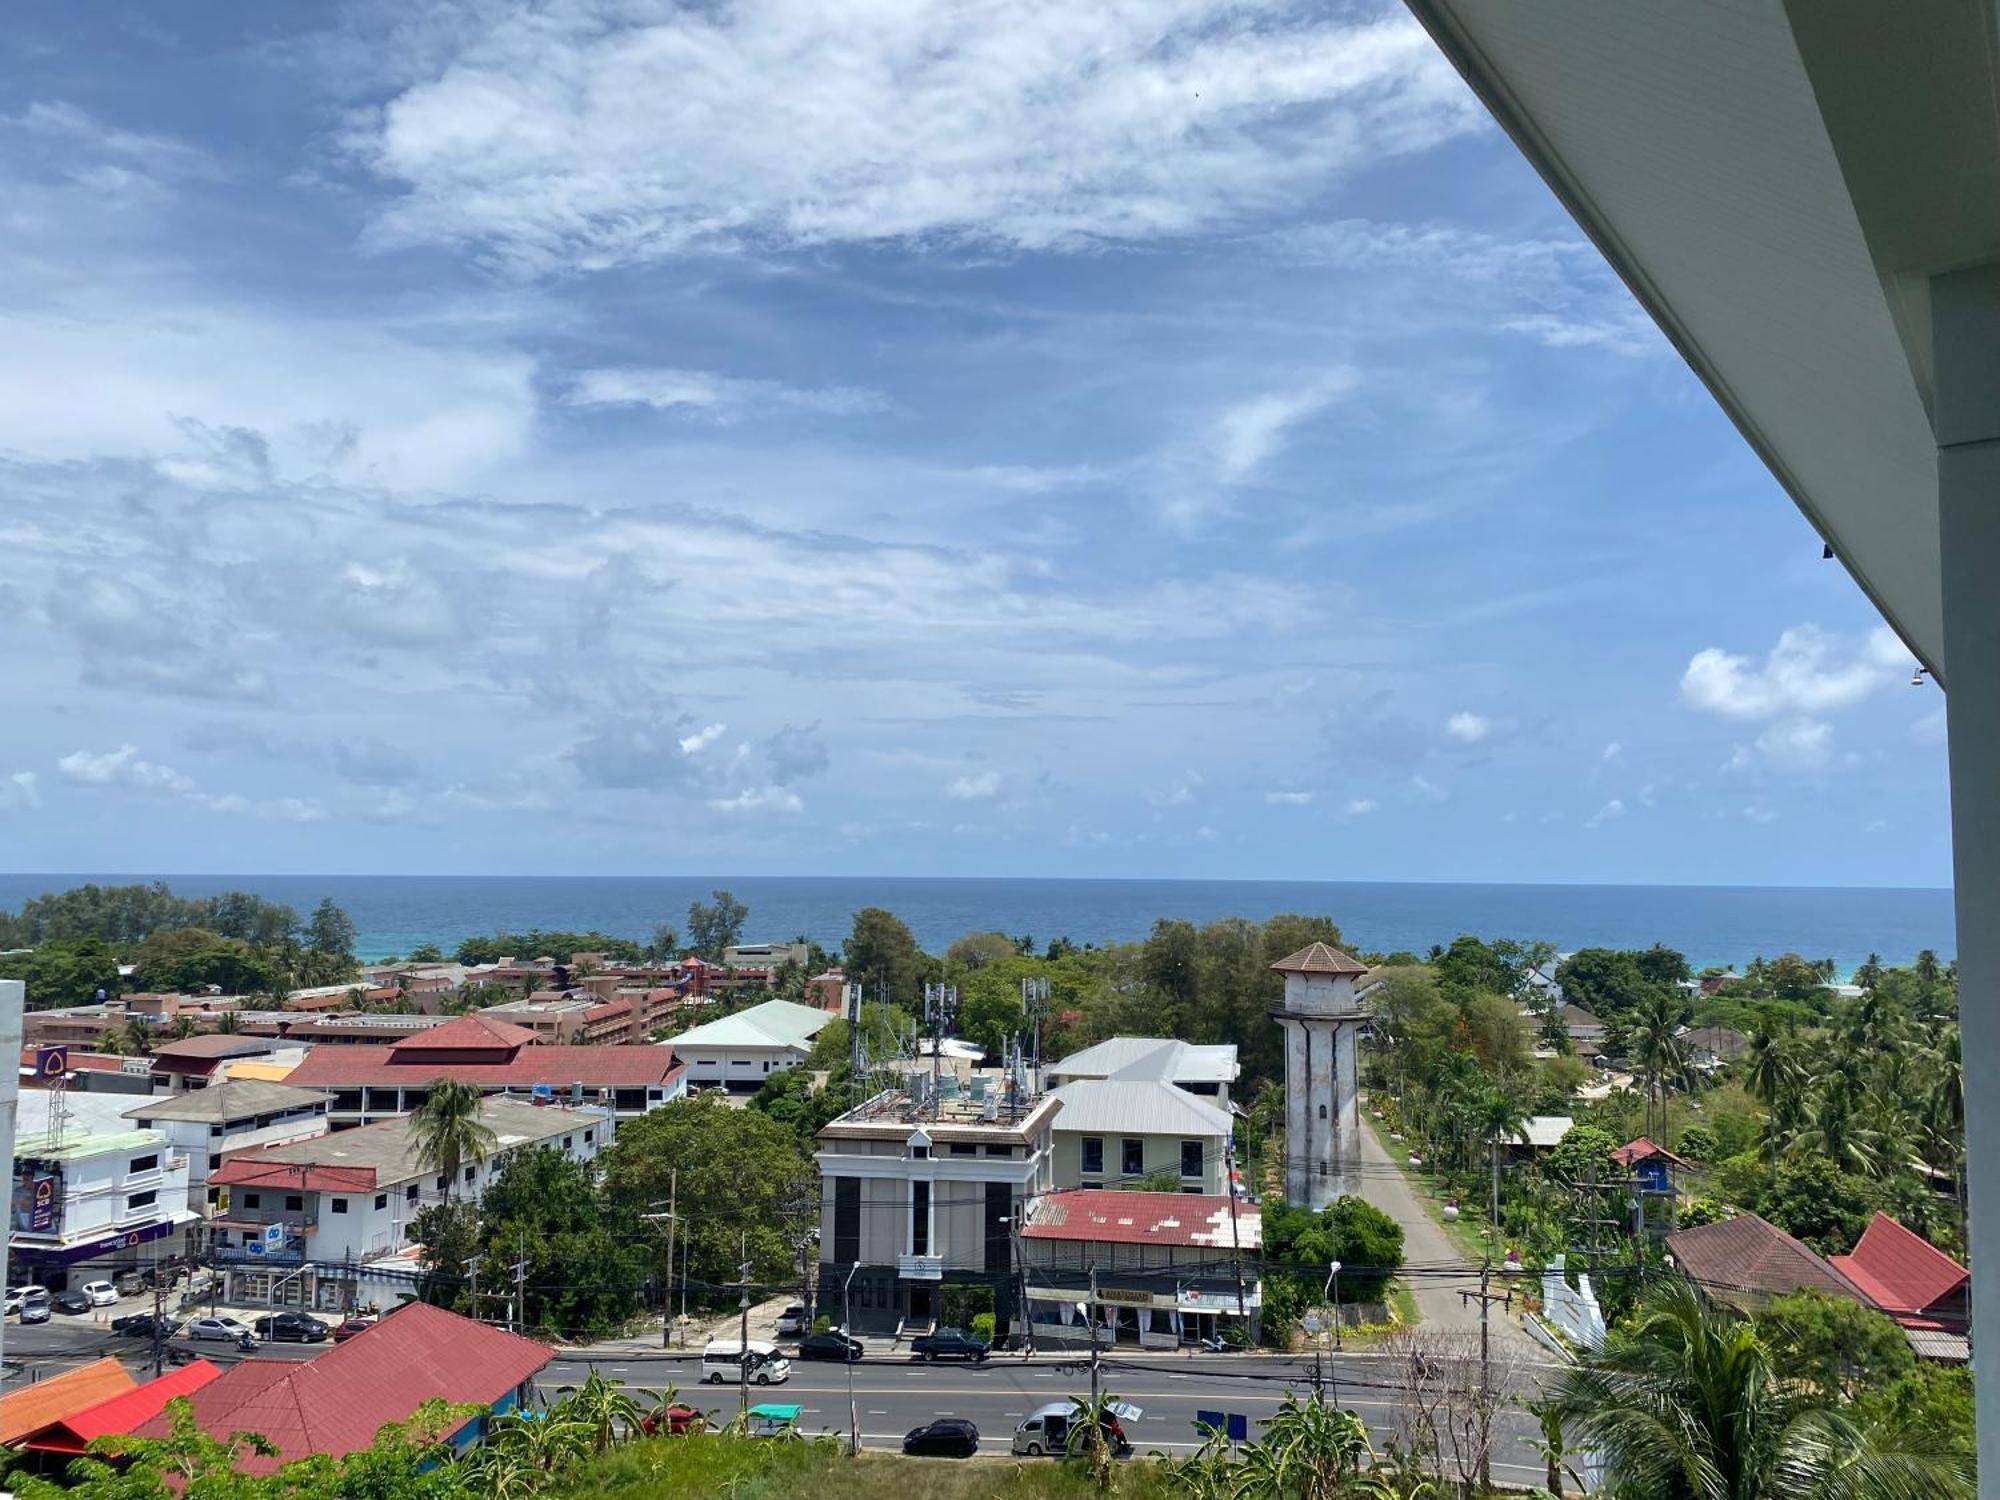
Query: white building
(739, 1052)
(1205, 1070)
(234, 1115)
(304, 1222)
(93, 1195)
(1322, 1018)
(772, 956)
(1136, 1123)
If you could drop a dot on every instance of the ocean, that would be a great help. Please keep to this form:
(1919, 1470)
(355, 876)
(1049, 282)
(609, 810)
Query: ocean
(1711, 924)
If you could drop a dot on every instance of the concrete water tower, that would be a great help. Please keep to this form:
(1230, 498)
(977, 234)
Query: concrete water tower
(1322, 1017)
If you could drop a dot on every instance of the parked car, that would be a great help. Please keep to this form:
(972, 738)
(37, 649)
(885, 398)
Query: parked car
(71, 1303)
(217, 1328)
(793, 1321)
(725, 1362)
(948, 1343)
(352, 1328)
(100, 1293)
(140, 1325)
(16, 1295)
(36, 1309)
(1046, 1430)
(947, 1437)
(675, 1420)
(837, 1347)
(293, 1327)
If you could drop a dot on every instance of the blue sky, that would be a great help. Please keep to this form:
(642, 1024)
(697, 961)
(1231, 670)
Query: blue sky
(1172, 438)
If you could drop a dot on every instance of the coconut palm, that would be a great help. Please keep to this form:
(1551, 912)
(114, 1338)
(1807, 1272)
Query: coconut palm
(1657, 1047)
(448, 1132)
(1500, 1118)
(1772, 1077)
(1088, 1423)
(1682, 1403)
(1833, 1128)
(137, 1037)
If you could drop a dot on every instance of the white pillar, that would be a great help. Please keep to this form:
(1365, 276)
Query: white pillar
(1965, 336)
(13, 995)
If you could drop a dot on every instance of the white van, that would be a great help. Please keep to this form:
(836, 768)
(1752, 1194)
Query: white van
(723, 1362)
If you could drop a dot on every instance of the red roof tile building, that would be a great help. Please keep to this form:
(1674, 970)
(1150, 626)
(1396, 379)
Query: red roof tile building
(1749, 1260)
(374, 1083)
(335, 1403)
(1908, 1277)
(125, 1412)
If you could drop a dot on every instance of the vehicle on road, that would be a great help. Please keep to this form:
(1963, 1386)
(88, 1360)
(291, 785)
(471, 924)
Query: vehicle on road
(71, 1303)
(725, 1360)
(793, 1321)
(947, 1437)
(291, 1327)
(949, 1343)
(100, 1293)
(769, 1419)
(36, 1309)
(218, 1328)
(837, 1347)
(1046, 1430)
(16, 1295)
(352, 1328)
(675, 1420)
(140, 1325)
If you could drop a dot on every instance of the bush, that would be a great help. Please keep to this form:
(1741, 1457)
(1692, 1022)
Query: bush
(982, 1325)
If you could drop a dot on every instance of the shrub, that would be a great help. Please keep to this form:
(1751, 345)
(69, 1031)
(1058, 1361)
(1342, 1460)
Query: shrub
(982, 1325)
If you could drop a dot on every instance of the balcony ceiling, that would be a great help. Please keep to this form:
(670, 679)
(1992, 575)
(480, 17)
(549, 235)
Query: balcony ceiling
(1776, 182)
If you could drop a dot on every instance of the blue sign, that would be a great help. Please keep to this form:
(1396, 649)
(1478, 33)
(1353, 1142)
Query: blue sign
(51, 1062)
(274, 1236)
(1239, 1427)
(1215, 1419)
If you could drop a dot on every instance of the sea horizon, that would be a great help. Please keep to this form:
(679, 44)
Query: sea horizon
(1712, 924)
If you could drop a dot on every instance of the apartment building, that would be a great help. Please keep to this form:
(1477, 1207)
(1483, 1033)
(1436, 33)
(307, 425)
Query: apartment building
(236, 1115)
(92, 1194)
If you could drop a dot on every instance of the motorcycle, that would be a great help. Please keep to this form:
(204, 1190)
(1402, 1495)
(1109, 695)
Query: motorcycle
(247, 1343)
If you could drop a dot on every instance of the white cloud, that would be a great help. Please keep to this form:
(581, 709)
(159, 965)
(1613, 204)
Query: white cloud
(123, 767)
(701, 739)
(571, 135)
(1611, 810)
(1360, 807)
(1807, 672)
(1250, 432)
(717, 397)
(980, 787)
(775, 799)
(1798, 744)
(1613, 750)
(21, 791)
(1289, 799)
(1468, 728)
(1422, 789)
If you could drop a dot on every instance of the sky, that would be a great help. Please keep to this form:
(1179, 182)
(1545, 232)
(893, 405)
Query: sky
(1156, 437)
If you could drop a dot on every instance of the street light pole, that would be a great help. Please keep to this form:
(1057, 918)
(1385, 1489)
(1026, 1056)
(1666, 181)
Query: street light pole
(1333, 1290)
(743, 1338)
(847, 1358)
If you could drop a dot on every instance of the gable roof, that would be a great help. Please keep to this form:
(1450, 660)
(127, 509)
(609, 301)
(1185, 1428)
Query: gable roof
(775, 1023)
(335, 1403)
(1901, 1270)
(1151, 1057)
(349, 1065)
(1105, 1216)
(471, 1032)
(232, 1099)
(1147, 1106)
(1751, 1254)
(1320, 958)
(121, 1413)
(33, 1407)
(1635, 1151)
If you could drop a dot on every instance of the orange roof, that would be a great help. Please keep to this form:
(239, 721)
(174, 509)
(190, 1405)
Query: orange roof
(35, 1407)
(121, 1413)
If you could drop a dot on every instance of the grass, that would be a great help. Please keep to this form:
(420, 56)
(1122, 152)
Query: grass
(669, 1468)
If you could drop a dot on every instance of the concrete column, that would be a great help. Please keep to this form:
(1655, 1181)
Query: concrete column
(1965, 334)
(13, 996)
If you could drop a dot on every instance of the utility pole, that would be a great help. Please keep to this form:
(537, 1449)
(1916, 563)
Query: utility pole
(1486, 1300)
(1090, 1317)
(159, 1343)
(853, 1412)
(519, 1322)
(743, 1337)
(1235, 1235)
(673, 1227)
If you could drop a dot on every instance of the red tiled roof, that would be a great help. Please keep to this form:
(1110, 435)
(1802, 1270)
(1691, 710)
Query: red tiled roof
(1634, 1152)
(603, 1067)
(1901, 1270)
(1105, 1216)
(469, 1032)
(299, 1177)
(121, 1413)
(1319, 958)
(335, 1403)
(1751, 1254)
(33, 1407)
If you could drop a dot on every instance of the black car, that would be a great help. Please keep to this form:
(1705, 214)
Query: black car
(140, 1325)
(947, 1437)
(948, 1343)
(70, 1303)
(837, 1347)
(291, 1327)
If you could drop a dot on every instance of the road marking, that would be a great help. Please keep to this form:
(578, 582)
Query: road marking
(874, 1413)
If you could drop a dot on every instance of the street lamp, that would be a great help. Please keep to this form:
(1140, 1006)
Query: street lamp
(1333, 1293)
(847, 1358)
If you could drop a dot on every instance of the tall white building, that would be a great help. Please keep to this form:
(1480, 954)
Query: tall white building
(1322, 1018)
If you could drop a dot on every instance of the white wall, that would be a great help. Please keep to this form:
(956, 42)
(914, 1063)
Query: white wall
(709, 1067)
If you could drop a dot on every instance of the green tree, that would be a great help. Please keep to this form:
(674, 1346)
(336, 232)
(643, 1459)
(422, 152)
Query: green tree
(447, 1131)
(1307, 1451)
(716, 924)
(1835, 1344)
(665, 944)
(977, 949)
(1815, 1201)
(65, 971)
(1605, 981)
(1684, 1403)
(882, 956)
(427, 953)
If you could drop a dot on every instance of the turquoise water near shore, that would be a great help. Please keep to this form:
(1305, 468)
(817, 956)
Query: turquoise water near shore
(1711, 924)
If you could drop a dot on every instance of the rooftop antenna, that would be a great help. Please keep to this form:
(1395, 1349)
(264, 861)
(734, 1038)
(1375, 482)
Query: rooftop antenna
(857, 1049)
(940, 1013)
(1035, 1001)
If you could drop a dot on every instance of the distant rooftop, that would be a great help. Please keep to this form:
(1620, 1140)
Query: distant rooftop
(236, 1099)
(1151, 1057)
(1106, 1216)
(775, 1023)
(1320, 958)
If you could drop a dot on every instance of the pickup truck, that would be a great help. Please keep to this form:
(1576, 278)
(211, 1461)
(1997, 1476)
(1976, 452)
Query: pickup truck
(948, 1343)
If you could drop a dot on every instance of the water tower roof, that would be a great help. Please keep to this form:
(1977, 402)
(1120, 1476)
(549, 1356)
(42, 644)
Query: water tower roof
(1320, 958)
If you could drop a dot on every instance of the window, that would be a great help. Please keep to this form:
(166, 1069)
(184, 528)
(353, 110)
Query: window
(1191, 1163)
(920, 1218)
(214, 1162)
(1000, 1151)
(141, 1200)
(440, 1184)
(958, 1150)
(846, 1220)
(920, 1153)
(470, 1173)
(410, 1193)
(1093, 1153)
(381, 1200)
(1132, 1157)
(144, 1164)
(589, 1136)
(339, 1205)
(252, 1200)
(1322, 1111)
(568, 1141)
(294, 1203)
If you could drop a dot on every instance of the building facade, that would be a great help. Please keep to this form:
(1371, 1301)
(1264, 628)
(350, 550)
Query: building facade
(921, 1195)
(239, 1115)
(1322, 1018)
(92, 1195)
(737, 1053)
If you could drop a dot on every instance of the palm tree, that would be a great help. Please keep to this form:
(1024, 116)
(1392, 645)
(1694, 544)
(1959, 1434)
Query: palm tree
(137, 1037)
(1832, 1128)
(603, 1406)
(1088, 1423)
(1311, 1452)
(1553, 1445)
(1682, 1403)
(1500, 1119)
(229, 1023)
(1661, 1054)
(183, 1028)
(448, 1132)
(1771, 1077)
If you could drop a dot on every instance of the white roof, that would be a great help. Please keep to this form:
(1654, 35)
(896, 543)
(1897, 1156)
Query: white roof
(1136, 1106)
(1544, 1131)
(1777, 184)
(1150, 1057)
(775, 1023)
